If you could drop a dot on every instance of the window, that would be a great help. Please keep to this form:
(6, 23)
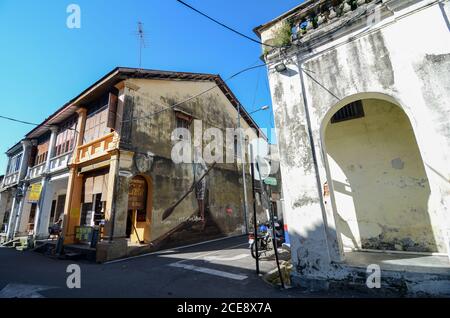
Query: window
(99, 117)
(351, 111)
(183, 121)
(14, 164)
(65, 140)
(42, 153)
(96, 125)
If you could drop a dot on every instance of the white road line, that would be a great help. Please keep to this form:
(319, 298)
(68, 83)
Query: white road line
(175, 249)
(226, 259)
(23, 291)
(213, 252)
(209, 271)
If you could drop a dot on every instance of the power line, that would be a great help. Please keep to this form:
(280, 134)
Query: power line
(19, 121)
(195, 96)
(31, 124)
(256, 89)
(154, 113)
(226, 26)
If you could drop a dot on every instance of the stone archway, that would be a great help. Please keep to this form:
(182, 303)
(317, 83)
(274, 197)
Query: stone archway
(377, 180)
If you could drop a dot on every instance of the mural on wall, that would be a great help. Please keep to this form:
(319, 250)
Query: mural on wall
(200, 224)
(200, 185)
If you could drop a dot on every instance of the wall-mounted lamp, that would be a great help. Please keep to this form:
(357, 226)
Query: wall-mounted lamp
(281, 67)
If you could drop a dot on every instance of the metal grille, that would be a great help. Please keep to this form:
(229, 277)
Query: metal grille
(350, 111)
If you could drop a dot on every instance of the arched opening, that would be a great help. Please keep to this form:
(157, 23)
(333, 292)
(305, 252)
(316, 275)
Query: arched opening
(139, 210)
(378, 185)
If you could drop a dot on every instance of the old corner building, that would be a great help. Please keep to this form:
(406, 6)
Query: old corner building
(102, 164)
(361, 99)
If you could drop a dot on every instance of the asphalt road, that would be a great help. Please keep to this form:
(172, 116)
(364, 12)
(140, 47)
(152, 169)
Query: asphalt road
(221, 269)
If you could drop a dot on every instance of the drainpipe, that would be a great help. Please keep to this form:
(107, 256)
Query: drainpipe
(314, 156)
(244, 181)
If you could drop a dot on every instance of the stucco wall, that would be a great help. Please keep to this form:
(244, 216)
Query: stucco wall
(5, 205)
(393, 60)
(380, 186)
(172, 180)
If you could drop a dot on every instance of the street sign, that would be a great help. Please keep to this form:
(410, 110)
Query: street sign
(35, 193)
(271, 181)
(260, 150)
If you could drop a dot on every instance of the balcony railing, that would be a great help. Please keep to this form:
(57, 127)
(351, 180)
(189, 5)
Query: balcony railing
(316, 15)
(97, 148)
(11, 179)
(36, 171)
(60, 162)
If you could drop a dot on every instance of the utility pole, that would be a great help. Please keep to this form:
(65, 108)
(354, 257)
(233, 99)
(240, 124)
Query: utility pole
(243, 161)
(244, 181)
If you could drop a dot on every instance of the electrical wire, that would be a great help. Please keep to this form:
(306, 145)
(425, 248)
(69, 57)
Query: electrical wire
(256, 89)
(194, 96)
(152, 114)
(226, 26)
(19, 121)
(32, 124)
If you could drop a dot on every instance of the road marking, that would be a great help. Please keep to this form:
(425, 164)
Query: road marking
(209, 271)
(225, 259)
(203, 256)
(172, 250)
(23, 291)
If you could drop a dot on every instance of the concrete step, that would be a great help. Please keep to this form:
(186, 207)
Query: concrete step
(72, 256)
(10, 243)
(78, 252)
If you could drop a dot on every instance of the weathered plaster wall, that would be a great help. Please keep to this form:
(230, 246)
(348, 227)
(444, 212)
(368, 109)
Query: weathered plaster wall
(393, 60)
(380, 186)
(24, 217)
(170, 180)
(5, 205)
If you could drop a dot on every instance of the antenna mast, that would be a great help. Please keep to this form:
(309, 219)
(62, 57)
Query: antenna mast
(141, 38)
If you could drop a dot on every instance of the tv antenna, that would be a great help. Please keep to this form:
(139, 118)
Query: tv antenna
(142, 40)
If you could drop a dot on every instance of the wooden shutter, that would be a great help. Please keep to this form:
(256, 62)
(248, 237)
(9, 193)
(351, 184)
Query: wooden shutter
(88, 189)
(105, 187)
(32, 157)
(112, 111)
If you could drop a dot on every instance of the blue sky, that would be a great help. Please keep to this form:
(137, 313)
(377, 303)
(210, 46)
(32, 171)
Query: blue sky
(44, 64)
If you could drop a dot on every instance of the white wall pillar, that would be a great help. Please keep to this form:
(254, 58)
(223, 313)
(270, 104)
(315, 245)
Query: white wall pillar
(14, 219)
(44, 205)
(12, 215)
(43, 210)
(19, 203)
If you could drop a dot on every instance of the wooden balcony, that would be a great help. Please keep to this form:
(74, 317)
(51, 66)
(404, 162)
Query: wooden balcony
(97, 149)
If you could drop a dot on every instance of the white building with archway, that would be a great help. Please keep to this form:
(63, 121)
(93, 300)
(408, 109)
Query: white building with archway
(361, 98)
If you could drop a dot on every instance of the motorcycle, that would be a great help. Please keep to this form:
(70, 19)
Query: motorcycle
(264, 238)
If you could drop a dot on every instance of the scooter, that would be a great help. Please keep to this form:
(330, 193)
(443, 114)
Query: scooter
(264, 238)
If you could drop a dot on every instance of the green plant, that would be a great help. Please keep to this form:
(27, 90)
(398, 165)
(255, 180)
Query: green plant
(283, 35)
(267, 48)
